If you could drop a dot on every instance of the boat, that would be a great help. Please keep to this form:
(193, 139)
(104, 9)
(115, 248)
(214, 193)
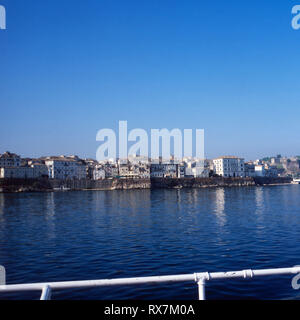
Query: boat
(295, 181)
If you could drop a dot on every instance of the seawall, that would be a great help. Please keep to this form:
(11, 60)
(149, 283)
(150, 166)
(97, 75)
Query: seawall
(49, 185)
(105, 184)
(201, 182)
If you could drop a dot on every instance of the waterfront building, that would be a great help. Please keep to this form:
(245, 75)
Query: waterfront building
(181, 170)
(164, 170)
(90, 165)
(197, 168)
(98, 172)
(274, 171)
(250, 169)
(144, 171)
(111, 170)
(127, 170)
(65, 168)
(40, 170)
(229, 166)
(260, 171)
(18, 173)
(12, 168)
(137, 170)
(9, 159)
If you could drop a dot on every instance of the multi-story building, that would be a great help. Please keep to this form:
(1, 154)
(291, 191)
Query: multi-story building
(260, 171)
(40, 170)
(65, 168)
(134, 170)
(98, 172)
(144, 171)
(250, 170)
(8, 159)
(91, 165)
(111, 170)
(197, 168)
(32, 172)
(164, 170)
(229, 166)
(17, 172)
(127, 170)
(181, 169)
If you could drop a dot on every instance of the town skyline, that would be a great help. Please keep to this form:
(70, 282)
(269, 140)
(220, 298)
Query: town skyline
(13, 166)
(44, 156)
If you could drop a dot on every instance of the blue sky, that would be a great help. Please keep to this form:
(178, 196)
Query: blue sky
(69, 68)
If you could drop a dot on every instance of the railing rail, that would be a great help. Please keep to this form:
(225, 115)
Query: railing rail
(200, 278)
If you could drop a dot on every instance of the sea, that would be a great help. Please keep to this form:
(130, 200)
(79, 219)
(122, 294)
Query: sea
(84, 235)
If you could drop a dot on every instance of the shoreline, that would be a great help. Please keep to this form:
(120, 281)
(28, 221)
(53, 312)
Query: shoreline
(47, 185)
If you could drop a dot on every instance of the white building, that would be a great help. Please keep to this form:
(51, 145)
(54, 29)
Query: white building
(111, 170)
(17, 173)
(196, 168)
(229, 166)
(26, 172)
(8, 159)
(65, 168)
(260, 171)
(164, 170)
(98, 172)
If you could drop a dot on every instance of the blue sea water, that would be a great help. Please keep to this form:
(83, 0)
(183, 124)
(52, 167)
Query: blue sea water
(130, 233)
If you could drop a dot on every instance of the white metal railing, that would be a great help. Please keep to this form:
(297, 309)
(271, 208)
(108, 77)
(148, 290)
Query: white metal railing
(199, 278)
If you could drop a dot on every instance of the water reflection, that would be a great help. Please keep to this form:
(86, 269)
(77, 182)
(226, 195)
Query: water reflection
(50, 215)
(220, 206)
(259, 199)
(132, 199)
(2, 203)
(192, 196)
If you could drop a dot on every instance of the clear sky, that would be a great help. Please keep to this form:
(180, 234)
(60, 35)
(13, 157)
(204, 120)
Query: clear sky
(69, 68)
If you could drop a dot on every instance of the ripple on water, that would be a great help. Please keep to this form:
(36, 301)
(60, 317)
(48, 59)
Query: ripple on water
(99, 234)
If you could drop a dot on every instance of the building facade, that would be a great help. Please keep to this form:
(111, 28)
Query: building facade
(98, 172)
(8, 159)
(164, 170)
(32, 172)
(64, 168)
(260, 171)
(229, 166)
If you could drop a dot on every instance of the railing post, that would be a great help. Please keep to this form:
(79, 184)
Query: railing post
(201, 279)
(2, 276)
(201, 288)
(46, 293)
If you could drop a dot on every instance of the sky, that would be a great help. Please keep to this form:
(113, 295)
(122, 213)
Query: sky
(70, 68)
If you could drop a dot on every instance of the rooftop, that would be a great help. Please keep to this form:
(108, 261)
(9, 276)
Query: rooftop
(229, 157)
